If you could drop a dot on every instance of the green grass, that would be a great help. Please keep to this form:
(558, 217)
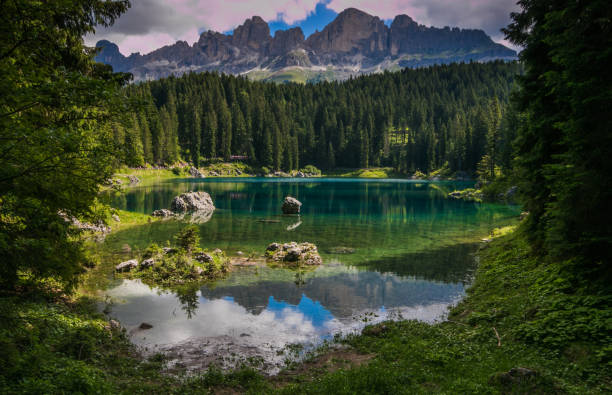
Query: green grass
(372, 172)
(228, 169)
(146, 176)
(559, 333)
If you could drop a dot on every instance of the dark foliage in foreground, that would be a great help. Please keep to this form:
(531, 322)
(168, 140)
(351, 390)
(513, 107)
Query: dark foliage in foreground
(564, 148)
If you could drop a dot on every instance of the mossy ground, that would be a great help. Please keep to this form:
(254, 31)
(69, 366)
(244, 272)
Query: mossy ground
(522, 311)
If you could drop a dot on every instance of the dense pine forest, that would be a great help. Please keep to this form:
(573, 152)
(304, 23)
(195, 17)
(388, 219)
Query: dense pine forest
(412, 120)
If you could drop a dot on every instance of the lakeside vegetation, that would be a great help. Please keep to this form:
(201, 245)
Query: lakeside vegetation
(520, 313)
(182, 263)
(537, 318)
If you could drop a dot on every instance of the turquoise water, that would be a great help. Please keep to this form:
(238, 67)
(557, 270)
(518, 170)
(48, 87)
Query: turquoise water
(410, 254)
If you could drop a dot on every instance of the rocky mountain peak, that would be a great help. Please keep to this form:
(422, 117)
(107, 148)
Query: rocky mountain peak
(254, 33)
(403, 21)
(285, 41)
(354, 42)
(352, 31)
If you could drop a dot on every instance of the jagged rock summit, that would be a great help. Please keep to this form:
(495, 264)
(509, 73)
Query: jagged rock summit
(353, 43)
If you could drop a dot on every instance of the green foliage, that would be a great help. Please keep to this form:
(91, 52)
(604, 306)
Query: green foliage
(487, 170)
(311, 169)
(188, 238)
(408, 120)
(55, 137)
(419, 175)
(180, 266)
(50, 348)
(564, 145)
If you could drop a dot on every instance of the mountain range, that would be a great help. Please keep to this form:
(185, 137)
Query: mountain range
(353, 43)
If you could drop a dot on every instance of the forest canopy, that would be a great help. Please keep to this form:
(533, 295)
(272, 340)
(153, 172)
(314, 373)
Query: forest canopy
(412, 120)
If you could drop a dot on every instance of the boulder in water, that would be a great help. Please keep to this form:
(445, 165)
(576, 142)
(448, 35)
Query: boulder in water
(147, 263)
(291, 205)
(127, 265)
(192, 201)
(300, 253)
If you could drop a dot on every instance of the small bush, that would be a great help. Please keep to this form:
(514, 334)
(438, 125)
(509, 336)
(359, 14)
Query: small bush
(310, 169)
(188, 238)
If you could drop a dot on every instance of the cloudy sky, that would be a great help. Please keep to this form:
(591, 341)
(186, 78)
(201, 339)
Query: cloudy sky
(151, 24)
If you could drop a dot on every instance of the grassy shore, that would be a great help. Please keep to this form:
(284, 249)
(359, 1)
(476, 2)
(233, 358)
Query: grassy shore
(525, 327)
(150, 176)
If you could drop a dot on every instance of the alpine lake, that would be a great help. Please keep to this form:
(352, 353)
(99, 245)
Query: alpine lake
(391, 249)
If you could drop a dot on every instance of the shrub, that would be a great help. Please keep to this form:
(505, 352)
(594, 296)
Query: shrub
(188, 238)
(310, 169)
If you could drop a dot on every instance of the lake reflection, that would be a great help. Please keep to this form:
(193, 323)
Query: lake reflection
(259, 319)
(390, 249)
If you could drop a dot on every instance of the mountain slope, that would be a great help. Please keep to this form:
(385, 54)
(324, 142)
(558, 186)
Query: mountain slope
(354, 43)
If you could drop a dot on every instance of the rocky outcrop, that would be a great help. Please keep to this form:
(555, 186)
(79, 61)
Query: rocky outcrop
(285, 41)
(291, 205)
(194, 172)
(133, 179)
(147, 263)
(203, 257)
(294, 253)
(162, 213)
(127, 265)
(98, 227)
(354, 42)
(192, 201)
(352, 32)
(253, 34)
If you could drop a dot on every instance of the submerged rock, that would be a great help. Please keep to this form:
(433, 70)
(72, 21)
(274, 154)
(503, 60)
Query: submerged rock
(162, 213)
(294, 226)
(127, 265)
(341, 250)
(291, 205)
(133, 179)
(302, 253)
(145, 325)
(192, 201)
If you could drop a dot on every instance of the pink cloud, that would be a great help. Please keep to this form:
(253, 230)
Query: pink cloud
(151, 24)
(165, 22)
